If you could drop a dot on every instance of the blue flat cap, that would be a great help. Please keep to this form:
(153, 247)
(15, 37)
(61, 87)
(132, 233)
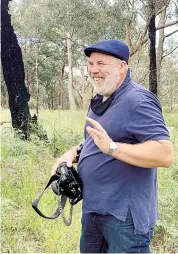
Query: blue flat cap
(115, 48)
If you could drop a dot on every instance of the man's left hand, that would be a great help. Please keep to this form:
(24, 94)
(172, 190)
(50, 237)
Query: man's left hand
(99, 135)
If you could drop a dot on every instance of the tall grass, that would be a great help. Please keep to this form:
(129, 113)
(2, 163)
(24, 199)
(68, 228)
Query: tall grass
(26, 169)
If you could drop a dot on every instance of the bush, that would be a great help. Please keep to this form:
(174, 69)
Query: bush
(32, 103)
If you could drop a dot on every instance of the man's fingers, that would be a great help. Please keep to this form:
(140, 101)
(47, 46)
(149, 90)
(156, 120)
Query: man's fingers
(93, 135)
(95, 124)
(69, 164)
(66, 160)
(91, 131)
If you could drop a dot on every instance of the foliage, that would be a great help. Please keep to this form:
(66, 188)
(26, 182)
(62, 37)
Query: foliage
(42, 29)
(32, 103)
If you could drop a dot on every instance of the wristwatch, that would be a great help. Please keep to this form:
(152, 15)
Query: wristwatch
(112, 147)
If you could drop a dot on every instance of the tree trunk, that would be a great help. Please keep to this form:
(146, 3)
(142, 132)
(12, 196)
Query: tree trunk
(14, 75)
(83, 85)
(26, 69)
(70, 88)
(159, 56)
(61, 76)
(52, 101)
(37, 81)
(128, 34)
(152, 50)
(171, 97)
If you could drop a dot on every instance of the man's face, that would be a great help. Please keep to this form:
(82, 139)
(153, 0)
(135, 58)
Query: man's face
(105, 72)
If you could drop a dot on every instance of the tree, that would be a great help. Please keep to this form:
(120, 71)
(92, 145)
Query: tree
(150, 9)
(63, 28)
(152, 48)
(73, 20)
(162, 37)
(13, 71)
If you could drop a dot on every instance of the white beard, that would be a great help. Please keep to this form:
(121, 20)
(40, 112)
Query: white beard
(109, 86)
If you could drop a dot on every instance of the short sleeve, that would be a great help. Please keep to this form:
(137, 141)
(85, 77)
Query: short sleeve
(147, 123)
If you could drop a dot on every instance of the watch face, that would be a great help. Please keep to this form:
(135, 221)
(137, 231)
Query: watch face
(113, 145)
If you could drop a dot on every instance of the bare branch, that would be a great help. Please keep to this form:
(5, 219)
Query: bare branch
(81, 45)
(164, 95)
(132, 2)
(141, 15)
(77, 91)
(143, 2)
(140, 42)
(163, 8)
(143, 79)
(175, 4)
(167, 35)
(145, 31)
(170, 52)
(143, 38)
(138, 45)
(168, 24)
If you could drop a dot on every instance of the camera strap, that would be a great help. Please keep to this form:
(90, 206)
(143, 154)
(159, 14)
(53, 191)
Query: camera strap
(61, 204)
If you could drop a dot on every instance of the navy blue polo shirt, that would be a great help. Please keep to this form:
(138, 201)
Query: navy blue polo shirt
(110, 185)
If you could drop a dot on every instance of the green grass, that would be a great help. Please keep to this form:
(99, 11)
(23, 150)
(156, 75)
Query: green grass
(26, 168)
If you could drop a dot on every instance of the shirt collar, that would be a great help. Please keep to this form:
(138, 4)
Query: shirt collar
(125, 83)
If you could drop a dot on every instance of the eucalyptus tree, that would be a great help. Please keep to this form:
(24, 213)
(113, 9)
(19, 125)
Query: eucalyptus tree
(55, 33)
(145, 13)
(153, 8)
(165, 38)
(78, 23)
(70, 26)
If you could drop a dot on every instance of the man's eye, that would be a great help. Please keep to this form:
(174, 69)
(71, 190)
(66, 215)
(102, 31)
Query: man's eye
(101, 64)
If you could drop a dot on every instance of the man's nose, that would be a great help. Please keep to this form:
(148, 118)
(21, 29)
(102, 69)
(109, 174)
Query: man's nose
(93, 69)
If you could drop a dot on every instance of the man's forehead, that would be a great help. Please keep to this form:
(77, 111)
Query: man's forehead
(96, 56)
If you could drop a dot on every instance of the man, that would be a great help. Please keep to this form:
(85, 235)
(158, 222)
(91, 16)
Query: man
(125, 140)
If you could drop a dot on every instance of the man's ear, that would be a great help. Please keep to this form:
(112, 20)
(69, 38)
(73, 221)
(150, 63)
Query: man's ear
(124, 67)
